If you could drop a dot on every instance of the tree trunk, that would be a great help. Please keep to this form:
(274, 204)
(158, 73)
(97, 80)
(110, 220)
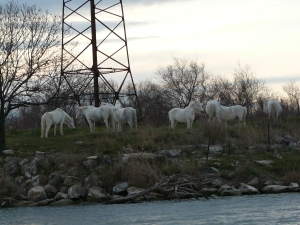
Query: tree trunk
(2, 133)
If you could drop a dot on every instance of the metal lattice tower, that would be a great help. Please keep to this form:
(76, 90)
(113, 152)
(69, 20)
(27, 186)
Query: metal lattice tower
(101, 56)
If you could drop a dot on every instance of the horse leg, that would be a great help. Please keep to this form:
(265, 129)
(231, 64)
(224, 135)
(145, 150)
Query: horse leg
(47, 129)
(54, 130)
(106, 124)
(91, 124)
(61, 128)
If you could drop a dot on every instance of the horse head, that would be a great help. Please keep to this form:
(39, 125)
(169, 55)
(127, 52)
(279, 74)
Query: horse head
(71, 123)
(78, 113)
(197, 106)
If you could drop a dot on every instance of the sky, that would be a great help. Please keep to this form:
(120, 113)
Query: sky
(264, 34)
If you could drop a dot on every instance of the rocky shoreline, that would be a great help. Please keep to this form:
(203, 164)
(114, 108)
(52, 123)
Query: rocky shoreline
(80, 184)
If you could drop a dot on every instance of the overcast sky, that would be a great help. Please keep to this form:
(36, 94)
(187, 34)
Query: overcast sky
(265, 34)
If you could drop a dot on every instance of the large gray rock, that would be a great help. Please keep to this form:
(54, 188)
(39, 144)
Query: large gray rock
(12, 165)
(97, 194)
(170, 153)
(92, 181)
(226, 190)
(272, 189)
(209, 191)
(90, 164)
(264, 162)
(148, 197)
(56, 179)
(60, 195)
(247, 189)
(215, 149)
(50, 191)
(71, 180)
(77, 192)
(8, 152)
(120, 188)
(257, 183)
(216, 183)
(37, 194)
(290, 139)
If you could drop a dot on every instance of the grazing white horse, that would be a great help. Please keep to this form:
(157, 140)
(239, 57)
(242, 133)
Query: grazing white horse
(125, 115)
(97, 114)
(223, 113)
(58, 116)
(186, 115)
(212, 109)
(272, 108)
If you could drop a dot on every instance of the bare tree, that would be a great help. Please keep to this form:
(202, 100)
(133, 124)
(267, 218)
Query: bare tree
(293, 92)
(29, 44)
(181, 80)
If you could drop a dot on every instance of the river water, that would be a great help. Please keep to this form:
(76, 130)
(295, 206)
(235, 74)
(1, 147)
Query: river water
(257, 209)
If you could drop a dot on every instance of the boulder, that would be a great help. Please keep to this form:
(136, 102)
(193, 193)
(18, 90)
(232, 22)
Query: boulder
(215, 149)
(55, 179)
(97, 194)
(29, 169)
(71, 181)
(209, 191)
(90, 164)
(12, 165)
(50, 191)
(170, 153)
(281, 140)
(120, 188)
(216, 183)
(37, 194)
(226, 190)
(92, 181)
(247, 189)
(8, 152)
(264, 162)
(77, 192)
(257, 183)
(106, 161)
(60, 195)
(134, 190)
(290, 139)
(270, 189)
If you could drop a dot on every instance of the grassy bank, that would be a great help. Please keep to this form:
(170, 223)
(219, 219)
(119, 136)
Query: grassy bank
(236, 141)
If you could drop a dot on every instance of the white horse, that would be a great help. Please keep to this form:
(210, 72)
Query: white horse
(212, 109)
(186, 115)
(58, 116)
(125, 115)
(97, 114)
(272, 108)
(223, 113)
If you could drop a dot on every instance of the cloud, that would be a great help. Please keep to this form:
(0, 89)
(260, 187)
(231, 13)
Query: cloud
(282, 79)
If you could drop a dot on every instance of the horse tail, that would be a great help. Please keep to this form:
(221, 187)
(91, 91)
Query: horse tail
(43, 125)
(272, 111)
(134, 118)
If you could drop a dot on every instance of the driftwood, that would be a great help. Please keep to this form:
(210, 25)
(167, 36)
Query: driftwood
(174, 186)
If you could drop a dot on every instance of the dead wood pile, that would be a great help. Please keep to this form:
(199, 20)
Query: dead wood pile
(171, 187)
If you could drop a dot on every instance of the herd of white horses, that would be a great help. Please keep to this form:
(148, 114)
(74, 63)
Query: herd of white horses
(115, 117)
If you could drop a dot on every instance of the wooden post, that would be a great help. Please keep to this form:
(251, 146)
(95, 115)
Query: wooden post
(207, 151)
(269, 139)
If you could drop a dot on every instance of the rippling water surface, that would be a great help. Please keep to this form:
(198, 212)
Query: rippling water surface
(258, 209)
